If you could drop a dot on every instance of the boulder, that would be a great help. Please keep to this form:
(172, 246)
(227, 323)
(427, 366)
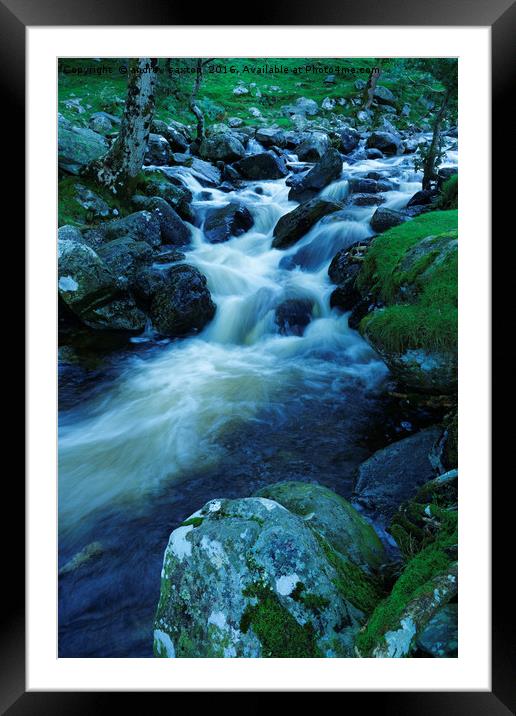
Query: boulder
(100, 122)
(440, 638)
(271, 137)
(177, 140)
(181, 303)
(346, 296)
(123, 257)
(302, 107)
(333, 518)
(374, 154)
(173, 228)
(158, 151)
(363, 186)
(223, 222)
(327, 169)
(248, 578)
(262, 166)
(349, 139)
(140, 226)
(89, 289)
(313, 147)
(293, 316)
(366, 199)
(328, 104)
(78, 146)
(384, 219)
(383, 95)
(292, 226)
(394, 474)
(223, 147)
(346, 261)
(421, 198)
(386, 142)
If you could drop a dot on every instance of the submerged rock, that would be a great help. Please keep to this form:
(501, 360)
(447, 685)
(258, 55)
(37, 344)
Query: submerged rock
(293, 316)
(94, 549)
(394, 474)
(248, 578)
(292, 226)
(223, 222)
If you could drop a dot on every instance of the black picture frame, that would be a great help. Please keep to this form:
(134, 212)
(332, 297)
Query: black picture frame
(500, 16)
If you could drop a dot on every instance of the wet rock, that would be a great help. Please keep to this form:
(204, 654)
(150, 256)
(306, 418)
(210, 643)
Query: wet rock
(384, 219)
(346, 295)
(421, 198)
(123, 257)
(366, 199)
(386, 142)
(349, 139)
(440, 637)
(181, 302)
(177, 140)
(90, 290)
(140, 226)
(78, 146)
(334, 518)
(394, 474)
(158, 151)
(272, 137)
(293, 316)
(363, 186)
(313, 147)
(223, 222)
(327, 170)
(94, 206)
(374, 154)
(179, 197)
(173, 228)
(292, 226)
(221, 147)
(248, 578)
(258, 167)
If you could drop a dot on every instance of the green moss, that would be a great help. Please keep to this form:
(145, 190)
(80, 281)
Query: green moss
(70, 210)
(449, 198)
(428, 317)
(195, 521)
(311, 601)
(427, 564)
(356, 587)
(280, 635)
(380, 271)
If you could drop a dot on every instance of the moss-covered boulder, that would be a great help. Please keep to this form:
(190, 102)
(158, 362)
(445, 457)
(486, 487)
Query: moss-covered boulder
(411, 270)
(334, 518)
(225, 147)
(249, 578)
(78, 146)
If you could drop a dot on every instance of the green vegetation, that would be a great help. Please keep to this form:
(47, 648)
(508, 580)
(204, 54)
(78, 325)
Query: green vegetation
(425, 316)
(354, 585)
(413, 582)
(449, 198)
(279, 633)
(195, 521)
(311, 601)
(106, 92)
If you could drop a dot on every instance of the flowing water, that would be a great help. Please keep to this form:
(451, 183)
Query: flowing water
(167, 425)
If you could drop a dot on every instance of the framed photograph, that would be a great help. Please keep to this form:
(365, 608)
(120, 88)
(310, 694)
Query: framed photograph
(259, 355)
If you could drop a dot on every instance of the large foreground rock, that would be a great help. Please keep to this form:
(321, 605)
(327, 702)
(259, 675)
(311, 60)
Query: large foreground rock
(292, 226)
(394, 474)
(181, 302)
(334, 518)
(384, 219)
(248, 578)
(313, 147)
(223, 222)
(327, 169)
(258, 167)
(173, 229)
(78, 146)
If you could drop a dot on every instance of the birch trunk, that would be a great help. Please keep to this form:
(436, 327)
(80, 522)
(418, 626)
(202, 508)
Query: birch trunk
(124, 160)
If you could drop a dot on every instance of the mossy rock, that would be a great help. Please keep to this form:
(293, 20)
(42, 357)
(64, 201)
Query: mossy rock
(248, 578)
(334, 518)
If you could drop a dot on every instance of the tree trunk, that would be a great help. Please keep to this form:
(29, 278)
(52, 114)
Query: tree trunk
(433, 151)
(370, 88)
(199, 116)
(124, 160)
